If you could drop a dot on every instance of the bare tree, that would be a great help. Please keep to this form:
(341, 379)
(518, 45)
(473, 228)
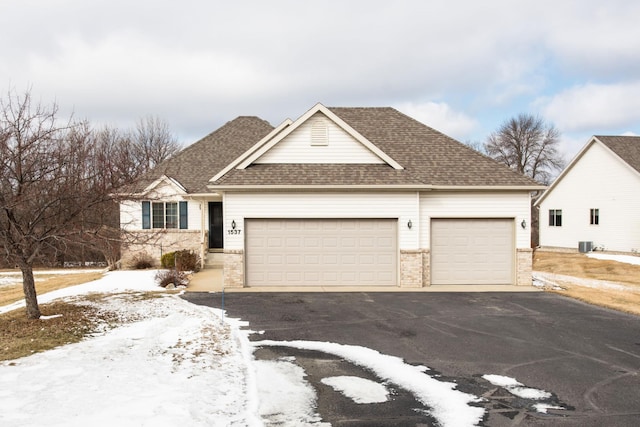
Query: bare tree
(475, 145)
(528, 145)
(153, 142)
(49, 180)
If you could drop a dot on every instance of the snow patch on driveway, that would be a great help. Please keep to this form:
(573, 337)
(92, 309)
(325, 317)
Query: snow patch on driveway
(516, 388)
(449, 406)
(293, 399)
(360, 390)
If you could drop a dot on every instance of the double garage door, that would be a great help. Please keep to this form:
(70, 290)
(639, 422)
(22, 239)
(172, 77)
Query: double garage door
(364, 252)
(321, 252)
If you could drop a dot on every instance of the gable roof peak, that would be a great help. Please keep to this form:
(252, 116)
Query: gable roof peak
(626, 147)
(257, 151)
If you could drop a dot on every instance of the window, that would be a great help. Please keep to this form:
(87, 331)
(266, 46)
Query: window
(158, 215)
(594, 215)
(555, 217)
(171, 217)
(164, 215)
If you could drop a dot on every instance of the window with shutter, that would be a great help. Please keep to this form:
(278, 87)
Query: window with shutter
(184, 215)
(165, 215)
(146, 215)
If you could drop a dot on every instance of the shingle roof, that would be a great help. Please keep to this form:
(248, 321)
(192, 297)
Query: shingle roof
(194, 166)
(626, 147)
(427, 156)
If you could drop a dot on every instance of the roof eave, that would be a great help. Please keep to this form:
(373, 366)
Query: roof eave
(390, 187)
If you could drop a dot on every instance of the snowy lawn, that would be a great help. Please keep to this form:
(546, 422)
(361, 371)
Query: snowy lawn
(628, 259)
(171, 363)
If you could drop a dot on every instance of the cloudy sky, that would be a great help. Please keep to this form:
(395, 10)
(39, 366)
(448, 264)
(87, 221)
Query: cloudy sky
(462, 67)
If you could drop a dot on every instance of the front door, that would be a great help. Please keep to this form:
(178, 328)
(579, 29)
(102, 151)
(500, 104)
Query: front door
(215, 225)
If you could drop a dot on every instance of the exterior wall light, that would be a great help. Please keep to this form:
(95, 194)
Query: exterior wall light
(409, 224)
(523, 224)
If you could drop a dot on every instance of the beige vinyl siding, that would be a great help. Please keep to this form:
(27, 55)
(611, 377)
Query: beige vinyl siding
(401, 206)
(512, 205)
(598, 180)
(298, 148)
(131, 215)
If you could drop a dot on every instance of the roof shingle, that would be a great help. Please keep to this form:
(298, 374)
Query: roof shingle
(626, 147)
(195, 165)
(429, 158)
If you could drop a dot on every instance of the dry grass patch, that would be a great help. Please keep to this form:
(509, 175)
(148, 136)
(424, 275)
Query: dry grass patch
(46, 283)
(627, 301)
(21, 336)
(581, 266)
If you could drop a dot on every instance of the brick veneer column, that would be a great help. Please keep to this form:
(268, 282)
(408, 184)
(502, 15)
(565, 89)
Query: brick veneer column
(524, 260)
(233, 271)
(411, 268)
(426, 267)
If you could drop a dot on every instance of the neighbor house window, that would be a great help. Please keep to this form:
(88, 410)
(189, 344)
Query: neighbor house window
(555, 217)
(164, 215)
(594, 215)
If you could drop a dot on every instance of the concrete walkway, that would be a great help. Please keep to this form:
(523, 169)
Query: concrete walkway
(211, 280)
(207, 280)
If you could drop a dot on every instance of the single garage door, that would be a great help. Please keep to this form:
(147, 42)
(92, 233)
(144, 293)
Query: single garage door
(321, 252)
(472, 251)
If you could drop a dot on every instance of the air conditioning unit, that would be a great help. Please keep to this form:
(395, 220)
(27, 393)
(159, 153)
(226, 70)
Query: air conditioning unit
(584, 247)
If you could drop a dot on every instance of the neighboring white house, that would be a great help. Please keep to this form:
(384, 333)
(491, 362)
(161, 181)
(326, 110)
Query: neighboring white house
(340, 196)
(596, 199)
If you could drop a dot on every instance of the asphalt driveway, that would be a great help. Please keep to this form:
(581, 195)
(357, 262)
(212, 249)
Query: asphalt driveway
(587, 357)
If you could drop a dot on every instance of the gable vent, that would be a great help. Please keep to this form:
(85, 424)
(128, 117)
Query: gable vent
(319, 133)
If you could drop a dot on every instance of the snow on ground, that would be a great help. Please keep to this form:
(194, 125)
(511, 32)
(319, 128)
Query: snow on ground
(114, 281)
(449, 406)
(516, 388)
(57, 271)
(628, 259)
(176, 363)
(13, 277)
(543, 279)
(360, 390)
(296, 399)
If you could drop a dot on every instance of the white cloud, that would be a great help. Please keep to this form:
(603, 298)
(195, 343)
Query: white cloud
(199, 64)
(594, 106)
(440, 116)
(601, 38)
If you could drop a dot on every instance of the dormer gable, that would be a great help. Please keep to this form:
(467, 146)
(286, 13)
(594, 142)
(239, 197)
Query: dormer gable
(318, 137)
(165, 186)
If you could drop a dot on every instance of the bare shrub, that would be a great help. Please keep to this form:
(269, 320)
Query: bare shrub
(171, 277)
(141, 261)
(183, 260)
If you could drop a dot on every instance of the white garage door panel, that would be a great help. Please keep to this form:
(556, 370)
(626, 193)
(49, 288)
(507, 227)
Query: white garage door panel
(321, 252)
(472, 251)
